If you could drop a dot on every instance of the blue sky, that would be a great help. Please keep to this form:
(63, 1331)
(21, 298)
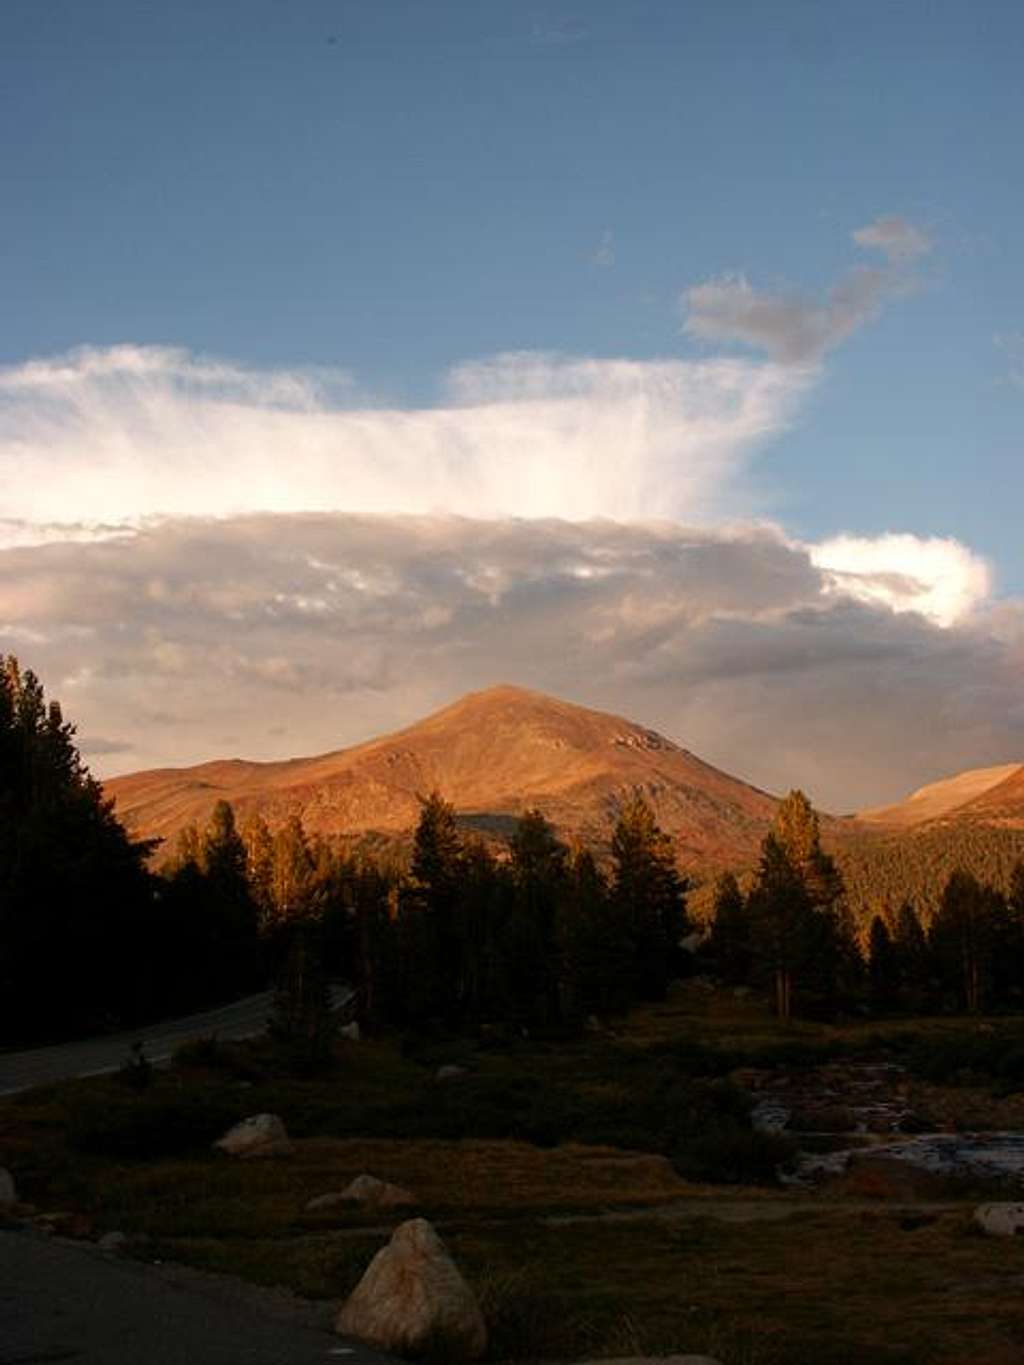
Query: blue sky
(395, 189)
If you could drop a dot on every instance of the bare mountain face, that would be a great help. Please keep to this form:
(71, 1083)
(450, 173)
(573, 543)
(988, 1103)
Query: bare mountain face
(981, 795)
(492, 754)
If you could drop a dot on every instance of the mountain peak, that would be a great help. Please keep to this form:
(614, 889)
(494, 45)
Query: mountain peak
(493, 753)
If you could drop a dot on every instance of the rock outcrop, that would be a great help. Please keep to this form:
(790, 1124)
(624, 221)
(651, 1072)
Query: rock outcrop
(368, 1191)
(257, 1136)
(413, 1296)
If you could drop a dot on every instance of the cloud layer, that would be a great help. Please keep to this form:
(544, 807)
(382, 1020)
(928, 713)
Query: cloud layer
(107, 436)
(275, 635)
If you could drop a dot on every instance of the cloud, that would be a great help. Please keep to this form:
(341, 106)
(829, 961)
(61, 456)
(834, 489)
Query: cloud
(794, 330)
(938, 578)
(561, 32)
(898, 239)
(98, 438)
(303, 633)
(603, 255)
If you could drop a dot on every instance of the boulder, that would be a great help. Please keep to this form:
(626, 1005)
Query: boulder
(258, 1135)
(115, 1243)
(413, 1297)
(1000, 1220)
(8, 1192)
(450, 1073)
(366, 1190)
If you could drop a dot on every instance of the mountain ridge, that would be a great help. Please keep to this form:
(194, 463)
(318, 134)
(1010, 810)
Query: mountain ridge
(492, 753)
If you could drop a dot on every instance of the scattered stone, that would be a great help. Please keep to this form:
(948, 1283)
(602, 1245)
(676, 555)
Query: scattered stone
(8, 1192)
(113, 1242)
(351, 1031)
(449, 1073)
(412, 1296)
(366, 1190)
(257, 1136)
(1000, 1220)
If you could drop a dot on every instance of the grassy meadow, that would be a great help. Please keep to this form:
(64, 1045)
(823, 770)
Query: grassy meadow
(604, 1196)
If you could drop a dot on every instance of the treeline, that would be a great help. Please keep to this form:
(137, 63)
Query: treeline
(915, 866)
(535, 940)
(91, 938)
(793, 933)
(533, 936)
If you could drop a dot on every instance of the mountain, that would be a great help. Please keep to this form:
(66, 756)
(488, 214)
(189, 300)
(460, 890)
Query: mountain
(989, 795)
(972, 822)
(492, 754)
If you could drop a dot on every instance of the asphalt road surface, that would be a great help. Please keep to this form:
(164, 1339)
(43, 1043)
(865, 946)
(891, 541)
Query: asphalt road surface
(99, 1056)
(64, 1302)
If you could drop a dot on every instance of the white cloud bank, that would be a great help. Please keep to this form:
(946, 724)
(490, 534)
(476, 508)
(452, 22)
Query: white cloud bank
(283, 634)
(101, 437)
(936, 577)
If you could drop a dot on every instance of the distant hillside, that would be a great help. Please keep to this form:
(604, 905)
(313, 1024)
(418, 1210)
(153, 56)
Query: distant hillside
(973, 820)
(963, 794)
(915, 864)
(492, 754)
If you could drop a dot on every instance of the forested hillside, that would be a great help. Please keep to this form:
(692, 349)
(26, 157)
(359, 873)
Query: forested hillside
(885, 870)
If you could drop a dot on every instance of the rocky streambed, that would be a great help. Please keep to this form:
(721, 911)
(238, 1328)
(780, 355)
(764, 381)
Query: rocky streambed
(860, 1116)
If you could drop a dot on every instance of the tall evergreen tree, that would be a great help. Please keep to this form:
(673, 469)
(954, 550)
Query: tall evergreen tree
(961, 940)
(729, 942)
(650, 896)
(538, 868)
(76, 901)
(781, 926)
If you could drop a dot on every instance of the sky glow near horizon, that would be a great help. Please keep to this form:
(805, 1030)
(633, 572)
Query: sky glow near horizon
(722, 523)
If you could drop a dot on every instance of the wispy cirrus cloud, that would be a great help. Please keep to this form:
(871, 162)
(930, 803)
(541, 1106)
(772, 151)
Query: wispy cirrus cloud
(792, 329)
(899, 239)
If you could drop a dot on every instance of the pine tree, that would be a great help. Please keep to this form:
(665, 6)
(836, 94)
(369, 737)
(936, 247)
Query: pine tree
(961, 939)
(434, 972)
(76, 901)
(650, 896)
(824, 941)
(729, 942)
(781, 925)
(883, 966)
(538, 869)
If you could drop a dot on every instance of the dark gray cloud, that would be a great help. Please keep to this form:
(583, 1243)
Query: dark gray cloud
(302, 633)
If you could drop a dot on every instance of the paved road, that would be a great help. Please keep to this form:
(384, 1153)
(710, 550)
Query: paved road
(99, 1056)
(63, 1302)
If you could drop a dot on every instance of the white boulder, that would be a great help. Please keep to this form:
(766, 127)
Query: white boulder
(1000, 1220)
(450, 1073)
(259, 1135)
(413, 1296)
(366, 1190)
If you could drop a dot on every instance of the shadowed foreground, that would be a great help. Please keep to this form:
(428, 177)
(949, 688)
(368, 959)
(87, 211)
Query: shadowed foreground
(64, 1302)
